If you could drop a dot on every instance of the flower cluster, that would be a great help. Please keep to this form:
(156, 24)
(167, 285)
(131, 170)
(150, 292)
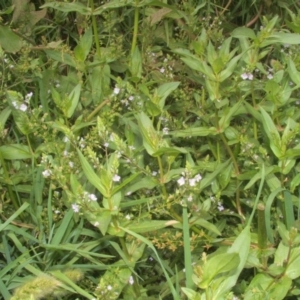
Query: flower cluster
(191, 181)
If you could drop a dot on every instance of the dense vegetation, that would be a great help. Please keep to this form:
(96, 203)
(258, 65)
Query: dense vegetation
(149, 149)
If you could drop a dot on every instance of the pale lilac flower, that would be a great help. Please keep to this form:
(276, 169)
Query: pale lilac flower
(131, 280)
(116, 178)
(15, 104)
(23, 107)
(250, 76)
(181, 181)
(28, 97)
(116, 90)
(165, 130)
(46, 173)
(198, 177)
(75, 207)
(192, 182)
(92, 197)
(244, 76)
(220, 206)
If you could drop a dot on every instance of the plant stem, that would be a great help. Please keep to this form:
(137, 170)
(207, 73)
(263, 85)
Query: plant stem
(95, 29)
(136, 27)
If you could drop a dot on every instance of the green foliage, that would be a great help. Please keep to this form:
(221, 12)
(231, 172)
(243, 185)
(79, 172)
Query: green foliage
(149, 150)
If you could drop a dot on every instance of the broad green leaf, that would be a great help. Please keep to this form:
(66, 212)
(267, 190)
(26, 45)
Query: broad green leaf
(272, 133)
(150, 225)
(293, 270)
(293, 72)
(241, 246)
(9, 41)
(73, 100)
(15, 151)
(170, 151)
(295, 182)
(91, 175)
(200, 66)
(224, 122)
(151, 139)
(64, 58)
(243, 32)
(83, 48)
(217, 264)
(257, 176)
(101, 220)
(194, 131)
(165, 90)
(136, 64)
(4, 115)
(69, 7)
(229, 68)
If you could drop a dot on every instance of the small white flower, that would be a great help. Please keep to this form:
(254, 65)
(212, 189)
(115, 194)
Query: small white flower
(198, 177)
(116, 178)
(270, 76)
(154, 173)
(116, 90)
(162, 70)
(57, 85)
(127, 217)
(131, 280)
(244, 76)
(71, 164)
(250, 76)
(92, 197)
(190, 198)
(109, 287)
(181, 181)
(96, 224)
(128, 193)
(130, 98)
(28, 97)
(66, 153)
(46, 173)
(66, 139)
(57, 212)
(192, 182)
(23, 107)
(75, 207)
(15, 104)
(111, 137)
(131, 147)
(165, 130)
(220, 206)
(106, 145)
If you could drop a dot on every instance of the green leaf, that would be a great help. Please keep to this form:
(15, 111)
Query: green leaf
(151, 225)
(73, 100)
(170, 151)
(293, 72)
(136, 64)
(243, 32)
(293, 270)
(165, 90)
(272, 133)
(15, 151)
(9, 41)
(194, 131)
(4, 115)
(217, 264)
(69, 7)
(83, 48)
(207, 225)
(91, 175)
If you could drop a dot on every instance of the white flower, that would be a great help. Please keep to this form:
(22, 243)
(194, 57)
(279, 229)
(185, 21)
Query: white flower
(96, 224)
(57, 211)
(131, 147)
(75, 207)
(28, 97)
(165, 130)
(154, 173)
(244, 76)
(66, 139)
(106, 145)
(109, 287)
(162, 70)
(65, 153)
(71, 164)
(198, 177)
(190, 198)
(270, 76)
(46, 173)
(250, 76)
(192, 182)
(92, 197)
(116, 178)
(128, 193)
(181, 181)
(131, 280)
(23, 107)
(220, 206)
(15, 104)
(116, 90)
(127, 217)
(130, 98)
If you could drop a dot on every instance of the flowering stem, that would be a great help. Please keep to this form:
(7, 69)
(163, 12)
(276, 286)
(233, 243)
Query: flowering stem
(254, 105)
(95, 29)
(136, 27)
(96, 110)
(161, 173)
